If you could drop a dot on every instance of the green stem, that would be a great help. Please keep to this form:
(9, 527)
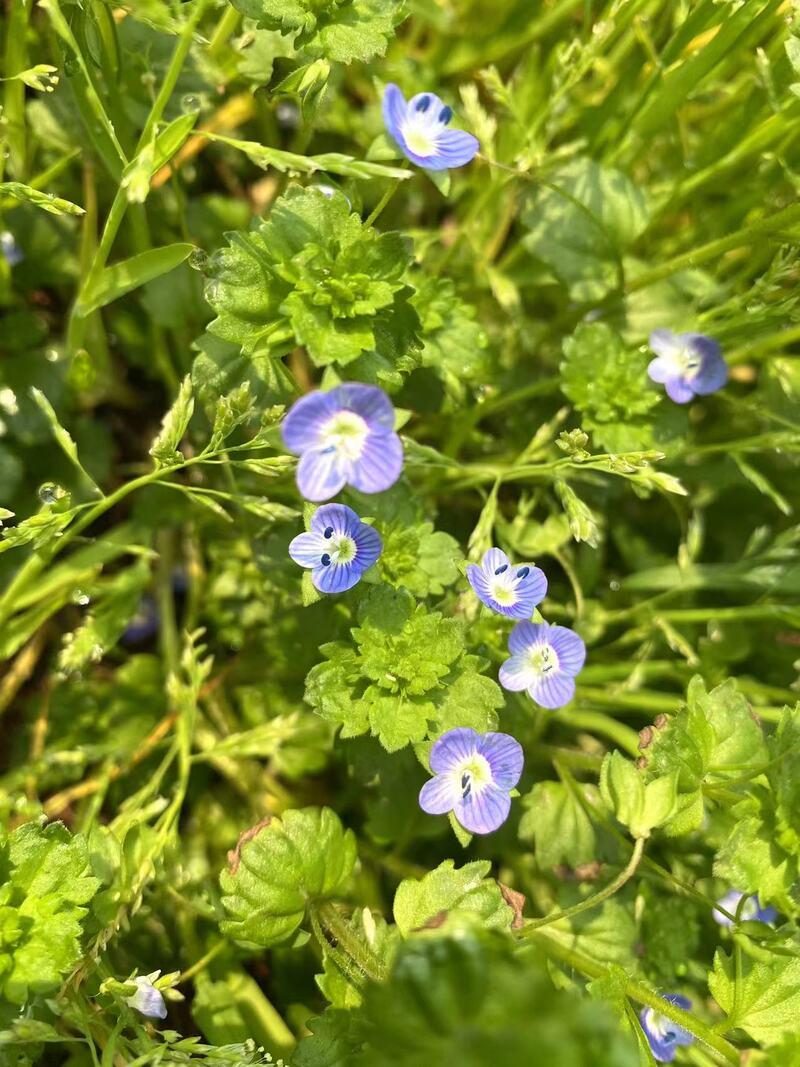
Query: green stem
(552, 944)
(391, 189)
(228, 24)
(748, 235)
(595, 899)
(597, 723)
(331, 919)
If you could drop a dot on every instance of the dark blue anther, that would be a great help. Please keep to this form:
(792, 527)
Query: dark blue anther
(466, 785)
(327, 451)
(326, 560)
(329, 532)
(523, 572)
(445, 115)
(423, 103)
(501, 569)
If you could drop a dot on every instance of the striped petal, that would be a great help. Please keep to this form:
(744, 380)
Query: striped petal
(569, 648)
(368, 401)
(504, 755)
(517, 674)
(483, 810)
(319, 474)
(453, 748)
(439, 795)
(301, 427)
(524, 635)
(307, 549)
(553, 690)
(379, 465)
(454, 148)
(368, 546)
(338, 517)
(336, 577)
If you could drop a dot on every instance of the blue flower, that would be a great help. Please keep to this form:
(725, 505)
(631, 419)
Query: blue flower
(474, 774)
(147, 999)
(344, 437)
(337, 549)
(144, 623)
(544, 660)
(509, 589)
(751, 911)
(686, 364)
(663, 1035)
(10, 250)
(419, 126)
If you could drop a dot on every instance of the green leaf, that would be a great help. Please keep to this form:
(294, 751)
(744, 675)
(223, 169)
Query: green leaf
(314, 275)
(462, 893)
(765, 1002)
(558, 826)
(164, 449)
(113, 606)
(639, 806)
(281, 868)
(607, 381)
(338, 982)
(579, 223)
(129, 274)
(454, 344)
(46, 885)
(752, 859)
(713, 738)
(68, 446)
(340, 32)
(423, 560)
(407, 676)
(477, 1000)
(54, 205)
(327, 163)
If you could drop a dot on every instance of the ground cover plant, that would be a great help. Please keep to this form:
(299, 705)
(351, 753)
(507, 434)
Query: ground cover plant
(400, 569)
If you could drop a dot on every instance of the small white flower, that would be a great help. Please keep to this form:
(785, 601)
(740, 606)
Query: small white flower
(147, 999)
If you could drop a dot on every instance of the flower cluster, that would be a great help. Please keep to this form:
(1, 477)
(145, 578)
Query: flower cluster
(544, 659)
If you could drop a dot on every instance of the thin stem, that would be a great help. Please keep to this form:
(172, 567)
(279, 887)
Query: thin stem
(391, 189)
(595, 899)
(203, 962)
(552, 944)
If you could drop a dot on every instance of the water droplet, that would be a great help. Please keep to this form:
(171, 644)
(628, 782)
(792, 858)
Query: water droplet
(287, 114)
(198, 259)
(79, 597)
(52, 355)
(96, 654)
(614, 585)
(49, 492)
(190, 103)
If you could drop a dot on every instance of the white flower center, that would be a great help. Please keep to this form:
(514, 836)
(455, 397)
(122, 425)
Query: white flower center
(544, 660)
(347, 433)
(472, 774)
(341, 548)
(685, 362)
(420, 136)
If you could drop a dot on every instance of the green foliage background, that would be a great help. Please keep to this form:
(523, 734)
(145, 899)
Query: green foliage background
(212, 221)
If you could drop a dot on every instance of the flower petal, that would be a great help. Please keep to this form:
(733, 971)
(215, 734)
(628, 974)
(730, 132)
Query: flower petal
(394, 111)
(553, 690)
(454, 148)
(453, 748)
(379, 465)
(483, 810)
(678, 390)
(336, 577)
(516, 673)
(524, 635)
(439, 795)
(505, 757)
(368, 546)
(492, 559)
(712, 376)
(342, 518)
(319, 474)
(300, 429)
(368, 401)
(569, 647)
(660, 370)
(307, 549)
(664, 342)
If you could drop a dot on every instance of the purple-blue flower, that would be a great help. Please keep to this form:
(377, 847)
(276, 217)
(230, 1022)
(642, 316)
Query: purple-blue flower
(147, 999)
(512, 589)
(337, 549)
(10, 250)
(686, 364)
(344, 437)
(144, 623)
(419, 126)
(663, 1035)
(544, 660)
(751, 911)
(474, 774)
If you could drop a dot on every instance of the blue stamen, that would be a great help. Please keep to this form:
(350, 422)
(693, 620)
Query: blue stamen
(329, 532)
(328, 450)
(445, 115)
(466, 785)
(523, 572)
(423, 103)
(501, 569)
(326, 560)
